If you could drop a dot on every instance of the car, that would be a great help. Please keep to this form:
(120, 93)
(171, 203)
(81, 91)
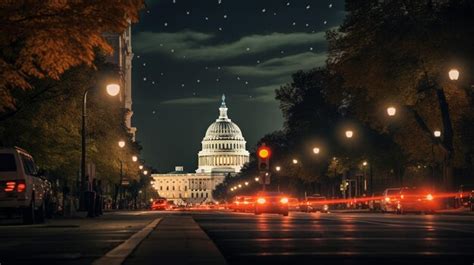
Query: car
(416, 200)
(235, 205)
(271, 202)
(159, 204)
(293, 204)
(465, 197)
(314, 204)
(244, 204)
(375, 202)
(23, 187)
(390, 199)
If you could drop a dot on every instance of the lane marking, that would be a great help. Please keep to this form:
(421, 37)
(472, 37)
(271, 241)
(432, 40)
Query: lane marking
(118, 255)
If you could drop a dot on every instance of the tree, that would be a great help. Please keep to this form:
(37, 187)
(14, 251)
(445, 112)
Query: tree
(49, 127)
(382, 55)
(43, 39)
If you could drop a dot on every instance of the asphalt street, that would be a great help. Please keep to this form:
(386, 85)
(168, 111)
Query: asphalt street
(217, 237)
(68, 241)
(363, 238)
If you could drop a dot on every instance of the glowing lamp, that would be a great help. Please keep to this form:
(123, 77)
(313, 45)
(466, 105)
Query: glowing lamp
(113, 89)
(316, 150)
(349, 134)
(391, 111)
(453, 74)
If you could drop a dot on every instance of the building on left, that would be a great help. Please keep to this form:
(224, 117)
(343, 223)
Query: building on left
(122, 57)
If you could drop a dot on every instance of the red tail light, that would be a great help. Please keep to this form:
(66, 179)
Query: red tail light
(284, 200)
(20, 186)
(10, 186)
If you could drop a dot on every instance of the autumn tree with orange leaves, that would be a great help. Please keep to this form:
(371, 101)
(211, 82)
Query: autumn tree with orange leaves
(43, 38)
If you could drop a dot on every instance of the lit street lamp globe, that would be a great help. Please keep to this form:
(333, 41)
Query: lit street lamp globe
(349, 134)
(364, 163)
(246, 183)
(140, 167)
(391, 111)
(240, 185)
(453, 74)
(277, 168)
(295, 161)
(256, 179)
(134, 158)
(121, 144)
(145, 172)
(316, 150)
(113, 89)
(437, 133)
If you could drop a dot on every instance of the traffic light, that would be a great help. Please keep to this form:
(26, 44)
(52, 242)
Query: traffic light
(264, 153)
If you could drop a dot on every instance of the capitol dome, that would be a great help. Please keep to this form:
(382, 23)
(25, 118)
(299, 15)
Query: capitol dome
(223, 146)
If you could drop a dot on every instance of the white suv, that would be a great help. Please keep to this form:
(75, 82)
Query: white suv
(21, 186)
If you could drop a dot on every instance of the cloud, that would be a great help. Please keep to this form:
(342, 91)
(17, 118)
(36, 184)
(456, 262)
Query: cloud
(189, 101)
(284, 66)
(198, 46)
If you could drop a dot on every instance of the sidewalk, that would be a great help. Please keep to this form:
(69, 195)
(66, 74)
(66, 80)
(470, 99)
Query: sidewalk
(177, 240)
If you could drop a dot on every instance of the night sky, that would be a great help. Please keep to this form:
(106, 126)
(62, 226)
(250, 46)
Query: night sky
(189, 53)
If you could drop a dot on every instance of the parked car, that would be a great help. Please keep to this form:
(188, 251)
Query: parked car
(465, 197)
(271, 202)
(375, 203)
(23, 188)
(416, 200)
(390, 199)
(245, 204)
(159, 204)
(314, 204)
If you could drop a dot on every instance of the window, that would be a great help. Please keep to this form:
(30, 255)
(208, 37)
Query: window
(7, 162)
(173, 187)
(185, 188)
(167, 188)
(161, 187)
(28, 165)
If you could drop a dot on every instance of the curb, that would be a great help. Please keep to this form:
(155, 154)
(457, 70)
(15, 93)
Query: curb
(118, 255)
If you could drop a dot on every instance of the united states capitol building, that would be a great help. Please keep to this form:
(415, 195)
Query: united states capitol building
(223, 153)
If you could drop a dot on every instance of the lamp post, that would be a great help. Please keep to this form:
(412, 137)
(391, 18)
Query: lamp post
(121, 144)
(113, 90)
(349, 134)
(316, 150)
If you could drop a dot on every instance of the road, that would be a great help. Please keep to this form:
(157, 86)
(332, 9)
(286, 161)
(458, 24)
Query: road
(345, 238)
(243, 238)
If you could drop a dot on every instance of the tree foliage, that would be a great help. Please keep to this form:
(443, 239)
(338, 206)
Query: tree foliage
(43, 39)
(399, 53)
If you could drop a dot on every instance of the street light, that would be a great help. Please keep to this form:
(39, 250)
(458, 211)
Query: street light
(278, 168)
(364, 163)
(349, 134)
(145, 172)
(437, 133)
(140, 167)
(295, 161)
(453, 74)
(111, 90)
(134, 158)
(256, 179)
(118, 192)
(246, 183)
(240, 185)
(391, 111)
(316, 150)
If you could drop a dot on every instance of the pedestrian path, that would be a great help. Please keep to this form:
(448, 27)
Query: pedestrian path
(177, 240)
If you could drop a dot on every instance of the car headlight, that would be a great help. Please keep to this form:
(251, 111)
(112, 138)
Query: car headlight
(261, 200)
(284, 200)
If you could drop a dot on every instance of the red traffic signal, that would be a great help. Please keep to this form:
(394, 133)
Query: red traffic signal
(264, 153)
